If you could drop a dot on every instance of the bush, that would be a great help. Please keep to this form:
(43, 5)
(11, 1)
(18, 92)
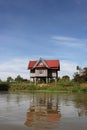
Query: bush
(4, 86)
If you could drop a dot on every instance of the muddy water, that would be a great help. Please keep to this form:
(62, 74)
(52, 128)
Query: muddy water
(43, 111)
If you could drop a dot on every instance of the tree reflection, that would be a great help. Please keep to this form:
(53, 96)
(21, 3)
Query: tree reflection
(43, 112)
(81, 104)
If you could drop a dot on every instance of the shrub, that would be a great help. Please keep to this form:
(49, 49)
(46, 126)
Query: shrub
(4, 86)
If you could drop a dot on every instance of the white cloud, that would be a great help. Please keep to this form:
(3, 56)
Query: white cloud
(62, 38)
(67, 68)
(13, 68)
(69, 41)
(4, 75)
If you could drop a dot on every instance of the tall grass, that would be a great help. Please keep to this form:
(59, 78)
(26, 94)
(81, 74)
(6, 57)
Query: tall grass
(63, 87)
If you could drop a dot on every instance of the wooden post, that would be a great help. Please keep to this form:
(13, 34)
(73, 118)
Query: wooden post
(30, 79)
(55, 80)
(46, 80)
(56, 77)
(49, 80)
(35, 80)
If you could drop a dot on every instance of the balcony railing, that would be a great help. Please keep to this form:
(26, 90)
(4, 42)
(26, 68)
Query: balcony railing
(38, 75)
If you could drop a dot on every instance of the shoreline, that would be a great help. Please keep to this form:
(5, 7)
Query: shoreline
(28, 87)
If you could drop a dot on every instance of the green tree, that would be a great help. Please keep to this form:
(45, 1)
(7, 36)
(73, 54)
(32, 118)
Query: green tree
(81, 76)
(19, 79)
(76, 77)
(85, 74)
(0, 80)
(78, 68)
(66, 78)
(10, 79)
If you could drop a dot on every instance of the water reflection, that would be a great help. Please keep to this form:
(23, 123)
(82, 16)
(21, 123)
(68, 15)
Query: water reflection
(81, 104)
(43, 112)
(62, 111)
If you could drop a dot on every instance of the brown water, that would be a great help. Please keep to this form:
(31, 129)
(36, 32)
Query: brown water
(43, 111)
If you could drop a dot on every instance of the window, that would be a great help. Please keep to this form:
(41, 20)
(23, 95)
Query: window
(33, 71)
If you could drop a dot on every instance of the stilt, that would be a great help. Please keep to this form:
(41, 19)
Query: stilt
(55, 80)
(35, 80)
(46, 80)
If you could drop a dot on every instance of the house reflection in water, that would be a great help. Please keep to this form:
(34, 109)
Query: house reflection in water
(43, 112)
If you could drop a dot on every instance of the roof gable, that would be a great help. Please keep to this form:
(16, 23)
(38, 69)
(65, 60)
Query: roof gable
(40, 63)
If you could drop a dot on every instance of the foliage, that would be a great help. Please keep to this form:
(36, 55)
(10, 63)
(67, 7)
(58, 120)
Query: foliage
(81, 76)
(66, 78)
(78, 68)
(76, 77)
(68, 87)
(20, 79)
(10, 79)
(52, 80)
(4, 86)
(0, 80)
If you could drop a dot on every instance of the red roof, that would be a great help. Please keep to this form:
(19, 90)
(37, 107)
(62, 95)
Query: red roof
(31, 64)
(52, 64)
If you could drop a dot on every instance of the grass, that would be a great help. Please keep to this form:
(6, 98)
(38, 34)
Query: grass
(70, 87)
(59, 87)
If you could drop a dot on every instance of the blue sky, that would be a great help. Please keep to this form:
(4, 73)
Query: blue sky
(51, 29)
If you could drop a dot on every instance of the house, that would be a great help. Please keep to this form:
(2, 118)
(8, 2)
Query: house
(44, 70)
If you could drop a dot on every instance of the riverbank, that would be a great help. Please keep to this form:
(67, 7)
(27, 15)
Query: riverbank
(74, 87)
(59, 87)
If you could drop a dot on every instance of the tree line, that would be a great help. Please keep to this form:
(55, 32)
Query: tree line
(17, 79)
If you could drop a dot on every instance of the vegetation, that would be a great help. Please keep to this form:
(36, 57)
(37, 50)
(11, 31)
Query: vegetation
(46, 87)
(81, 75)
(4, 86)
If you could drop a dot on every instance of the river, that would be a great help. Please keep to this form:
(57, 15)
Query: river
(43, 111)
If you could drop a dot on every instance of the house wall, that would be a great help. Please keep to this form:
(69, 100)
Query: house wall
(42, 72)
(39, 73)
